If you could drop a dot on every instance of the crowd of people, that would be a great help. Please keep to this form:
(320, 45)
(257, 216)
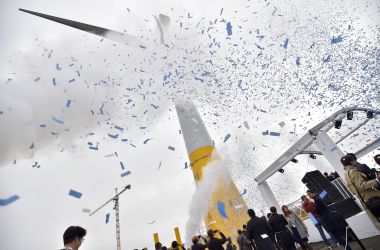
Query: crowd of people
(287, 230)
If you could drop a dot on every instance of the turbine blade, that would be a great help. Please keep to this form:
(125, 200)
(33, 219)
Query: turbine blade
(99, 31)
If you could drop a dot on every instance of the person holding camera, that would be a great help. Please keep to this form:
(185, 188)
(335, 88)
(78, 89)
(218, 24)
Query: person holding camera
(367, 190)
(215, 243)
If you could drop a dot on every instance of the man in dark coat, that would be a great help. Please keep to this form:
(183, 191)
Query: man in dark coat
(282, 235)
(215, 243)
(327, 219)
(196, 244)
(259, 230)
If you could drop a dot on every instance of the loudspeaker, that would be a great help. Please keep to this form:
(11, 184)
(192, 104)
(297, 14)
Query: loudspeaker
(347, 207)
(316, 181)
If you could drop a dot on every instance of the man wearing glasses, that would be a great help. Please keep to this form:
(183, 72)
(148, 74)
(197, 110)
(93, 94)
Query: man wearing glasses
(73, 237)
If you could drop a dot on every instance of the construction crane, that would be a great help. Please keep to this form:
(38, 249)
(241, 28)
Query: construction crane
(115, 199)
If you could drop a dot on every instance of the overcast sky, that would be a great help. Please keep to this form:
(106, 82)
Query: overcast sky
(293, 62)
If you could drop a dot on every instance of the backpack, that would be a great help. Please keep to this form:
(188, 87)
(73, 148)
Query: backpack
(369, 173)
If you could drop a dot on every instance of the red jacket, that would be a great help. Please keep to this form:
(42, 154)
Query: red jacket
(309, 206)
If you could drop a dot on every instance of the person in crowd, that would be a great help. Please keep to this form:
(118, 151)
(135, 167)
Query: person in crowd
(327, 220)
(174, 246)
(369, 174)
(158, 246)
(230, 245)
(328, 176)
(243, 242)
(197, 245)
(377, 159)
(281, 234)
(268, 216)
(259, 230)
(73, 237)
(164, 248)
(309, 207)
(367, 190)
(298, 228)
(215, 243)
(245, 233)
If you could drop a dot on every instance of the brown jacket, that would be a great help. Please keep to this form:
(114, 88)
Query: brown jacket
(356, 182)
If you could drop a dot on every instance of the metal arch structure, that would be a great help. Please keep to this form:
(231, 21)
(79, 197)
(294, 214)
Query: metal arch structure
(326, 146)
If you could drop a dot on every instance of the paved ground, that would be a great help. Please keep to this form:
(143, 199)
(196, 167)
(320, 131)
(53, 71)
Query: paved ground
(372, 243)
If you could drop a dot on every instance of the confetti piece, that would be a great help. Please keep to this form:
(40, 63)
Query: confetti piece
(229, 29)
(68, 103)
(226, 137)
(119, 128)
(93, 148)
(121, 165)
(113, 136)
(246, 125)
(186, 165)
(142, 46)
(1, 112)
(54, 82)
(171, 148)
(124, 140)
(335, 40)
(57, 120)
(31, 146)
(154, 106)
(126, 173)
(75, 194)
(37, 79)
(298, 61)
(274, 133)
(222, 209)
(221, 11)
(6, 202)
(265, 132)
(282, 124)
(146, 141)
(107, 218)
(86, 210)
(244, 192)
(153, 221)
(58, 67)
(286, 42)
(43, 125)
(72, 80)
(159, 166)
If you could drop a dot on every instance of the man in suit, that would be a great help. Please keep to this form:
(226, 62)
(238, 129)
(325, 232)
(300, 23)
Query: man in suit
(73, 237)
(215, 243)
(282, 235)
(259, 230)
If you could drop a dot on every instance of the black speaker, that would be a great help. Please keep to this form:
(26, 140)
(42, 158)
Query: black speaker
(347, 207)
(316, 181)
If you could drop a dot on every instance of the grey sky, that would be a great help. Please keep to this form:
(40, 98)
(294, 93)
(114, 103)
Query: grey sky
(252, 78)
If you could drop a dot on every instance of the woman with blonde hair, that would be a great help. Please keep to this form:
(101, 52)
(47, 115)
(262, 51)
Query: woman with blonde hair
(298, 228)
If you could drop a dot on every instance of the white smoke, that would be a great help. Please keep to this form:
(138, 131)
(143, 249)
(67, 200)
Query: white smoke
(215, 171)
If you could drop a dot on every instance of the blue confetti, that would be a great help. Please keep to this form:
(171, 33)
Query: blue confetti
(125, 139)
(171, 148)
(93, 148)
(335, 40)
(221, 11)
(229, 29)
(286, 43)
(125, 174)
(122, 165)
(146, 141)
(5, 202)
(75, 194)
(244, 192)
(113, 136)
(265, 132)
(119, 128)
(31, 146)
(154, 106)
(57, 120)
(1, 112)
(186, 165)
(222, 209)
(327, 59)
(54, 82)
(142, 46)
(43, 125)
(107, 218)
(37, 79)
(298, 60)
(68, 103)
(58, 67)
(72, 80)
(274, 133)
(226, 137)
